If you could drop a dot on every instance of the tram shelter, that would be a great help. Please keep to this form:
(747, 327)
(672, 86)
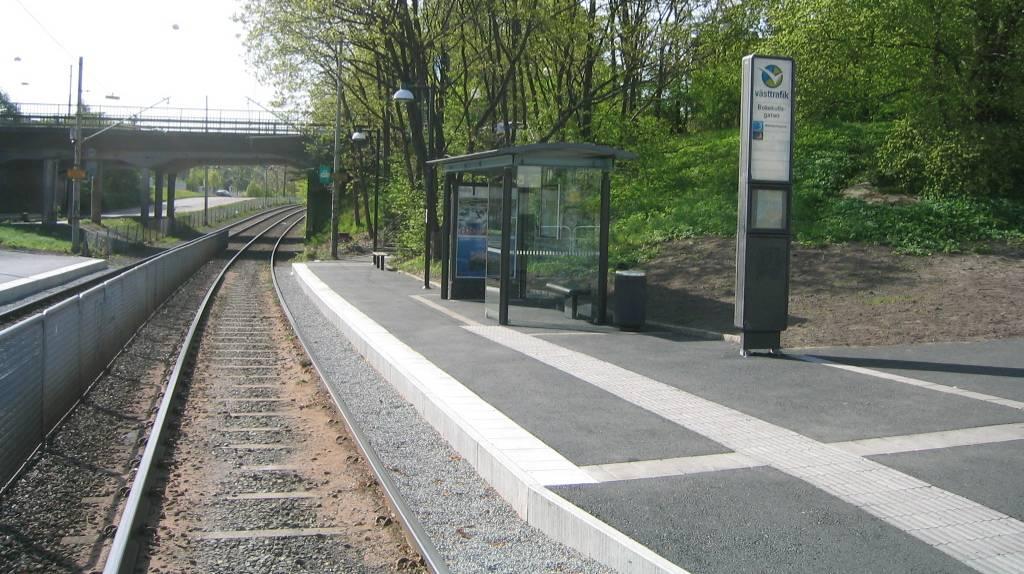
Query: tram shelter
(526, 230)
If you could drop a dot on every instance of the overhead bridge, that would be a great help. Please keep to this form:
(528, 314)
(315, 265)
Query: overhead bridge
(168, 139)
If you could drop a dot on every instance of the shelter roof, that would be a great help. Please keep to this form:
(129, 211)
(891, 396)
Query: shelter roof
(561, 154)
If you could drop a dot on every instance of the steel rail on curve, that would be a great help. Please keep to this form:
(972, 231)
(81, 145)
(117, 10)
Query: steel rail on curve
(125, 548)
(23, 309)
(71, 292)
(415, 533)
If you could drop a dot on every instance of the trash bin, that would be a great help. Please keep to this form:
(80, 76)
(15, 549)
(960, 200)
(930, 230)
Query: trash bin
(630, 300)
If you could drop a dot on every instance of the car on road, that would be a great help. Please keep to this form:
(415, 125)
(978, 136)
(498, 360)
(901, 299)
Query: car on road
(223, 193)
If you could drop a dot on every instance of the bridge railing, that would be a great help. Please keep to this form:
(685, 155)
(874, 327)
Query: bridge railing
(190, 120)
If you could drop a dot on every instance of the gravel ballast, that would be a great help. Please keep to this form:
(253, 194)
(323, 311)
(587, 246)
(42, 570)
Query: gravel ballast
(472, 526)
(59, 515)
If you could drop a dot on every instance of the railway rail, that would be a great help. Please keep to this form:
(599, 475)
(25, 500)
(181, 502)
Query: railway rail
(255, 471)
(31, 305)
(60, 508)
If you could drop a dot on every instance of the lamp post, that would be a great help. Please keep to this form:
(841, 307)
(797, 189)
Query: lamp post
(359, 137)
(76, 182)
(406, 95)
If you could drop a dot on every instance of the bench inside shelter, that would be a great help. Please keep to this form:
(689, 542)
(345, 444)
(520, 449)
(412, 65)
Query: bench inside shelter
(571, 296)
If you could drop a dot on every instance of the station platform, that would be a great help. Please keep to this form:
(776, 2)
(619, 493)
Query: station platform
(24, 274)
(655, 452)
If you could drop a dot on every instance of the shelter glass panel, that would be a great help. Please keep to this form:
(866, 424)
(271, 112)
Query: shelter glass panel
(554, 250)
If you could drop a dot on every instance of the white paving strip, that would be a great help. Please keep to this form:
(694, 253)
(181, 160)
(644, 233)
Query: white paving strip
(444, 310)
(934, 440)
(670, 467)
(984, 539)
(912, 381)
(862, 447)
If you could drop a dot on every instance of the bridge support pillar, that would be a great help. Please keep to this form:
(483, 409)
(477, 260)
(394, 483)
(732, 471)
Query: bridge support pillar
(96, 197)
(49, 189)
(144, 197)
(158, 201)
(171, 182)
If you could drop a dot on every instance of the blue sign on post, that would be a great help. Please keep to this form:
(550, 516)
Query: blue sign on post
(325, 175)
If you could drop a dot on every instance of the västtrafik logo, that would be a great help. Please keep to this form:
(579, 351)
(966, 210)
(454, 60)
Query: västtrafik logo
(771, 75)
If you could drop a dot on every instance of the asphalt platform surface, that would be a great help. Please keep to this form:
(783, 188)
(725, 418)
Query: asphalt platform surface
(868, 459)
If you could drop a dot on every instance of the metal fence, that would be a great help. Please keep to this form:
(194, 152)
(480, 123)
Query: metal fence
(48, 360)
(120, 238)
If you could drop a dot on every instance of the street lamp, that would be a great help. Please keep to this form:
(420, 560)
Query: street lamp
(406, 95)
(359, 138)
(403, 95)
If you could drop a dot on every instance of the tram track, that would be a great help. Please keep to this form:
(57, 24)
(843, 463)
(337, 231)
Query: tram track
(33, 304)
(59, 511)
(256, 472)
(262, 484)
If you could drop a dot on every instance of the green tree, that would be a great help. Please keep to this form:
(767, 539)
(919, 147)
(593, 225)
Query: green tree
(8, 109)
(942, 79)
(254, 189)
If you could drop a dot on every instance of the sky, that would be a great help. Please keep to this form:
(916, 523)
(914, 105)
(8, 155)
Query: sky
(137, 50)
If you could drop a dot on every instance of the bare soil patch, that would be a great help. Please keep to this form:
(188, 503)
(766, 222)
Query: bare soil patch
(850, 294)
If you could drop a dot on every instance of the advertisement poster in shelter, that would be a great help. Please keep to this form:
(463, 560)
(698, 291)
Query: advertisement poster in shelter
(471, 237)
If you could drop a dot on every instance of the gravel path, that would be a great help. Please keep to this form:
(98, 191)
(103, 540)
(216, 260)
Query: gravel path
(472, 526)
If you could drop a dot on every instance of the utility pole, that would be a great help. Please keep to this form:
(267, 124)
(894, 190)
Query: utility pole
(335, 180)
(76, 183)
(71, 83)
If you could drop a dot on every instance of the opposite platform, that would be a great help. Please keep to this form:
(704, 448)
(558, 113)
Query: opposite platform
(23, 274)
(652, 452)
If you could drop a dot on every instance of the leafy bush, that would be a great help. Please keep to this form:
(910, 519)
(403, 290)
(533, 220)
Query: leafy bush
(402, 211)
(254, 189)
(121, 188)
(931, 162)
(940, 225)
(678, 187)
(686, 187)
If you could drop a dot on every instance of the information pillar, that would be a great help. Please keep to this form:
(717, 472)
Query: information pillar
(765, 201)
